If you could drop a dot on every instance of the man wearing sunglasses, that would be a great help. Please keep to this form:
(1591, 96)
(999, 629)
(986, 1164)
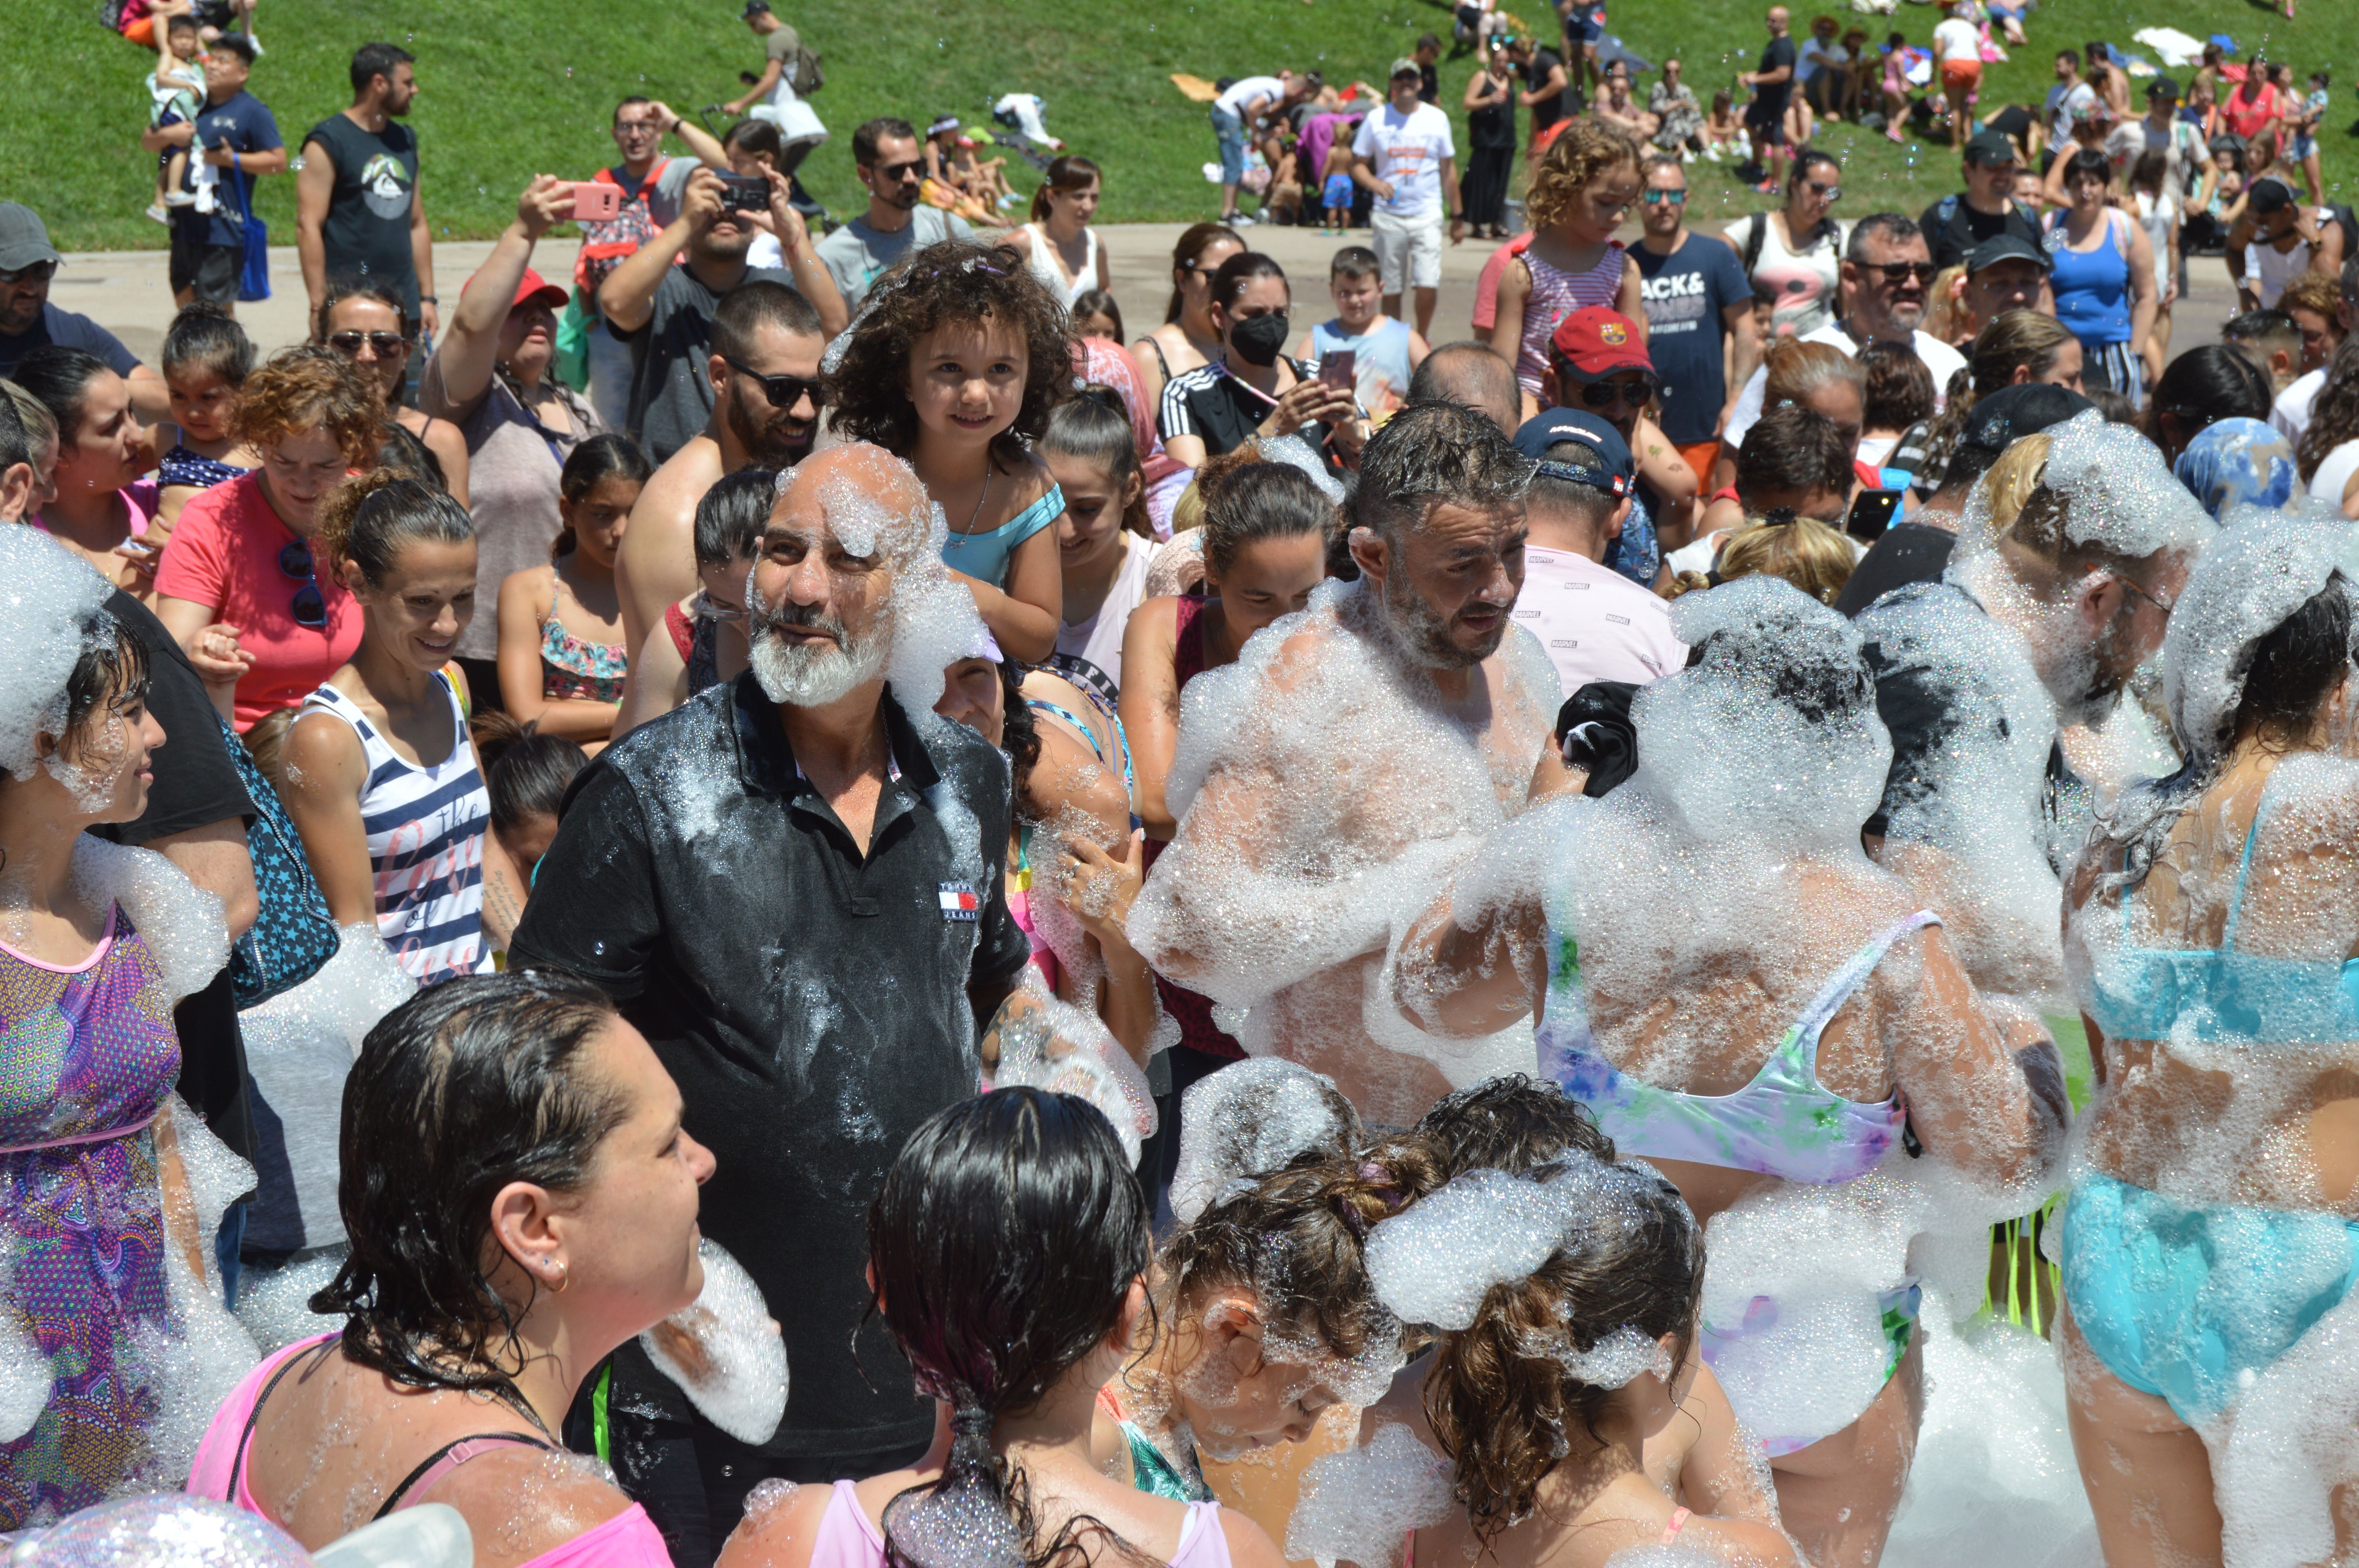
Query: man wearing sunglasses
(27, 319)
(886, 155)
(763, 374)
(1700, 334)
(1601, 367)
(652, 186)
(1887, 271)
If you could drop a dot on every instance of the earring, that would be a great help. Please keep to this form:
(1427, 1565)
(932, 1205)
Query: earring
(558, 1264)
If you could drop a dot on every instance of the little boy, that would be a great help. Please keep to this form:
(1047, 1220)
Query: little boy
(176, 91)
(1385, 351)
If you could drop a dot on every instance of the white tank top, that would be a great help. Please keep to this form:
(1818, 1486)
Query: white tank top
(1044, 265)
(2270, 269)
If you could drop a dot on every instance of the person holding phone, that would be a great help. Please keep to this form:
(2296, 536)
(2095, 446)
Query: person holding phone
(1254, 390)
(1363, 351)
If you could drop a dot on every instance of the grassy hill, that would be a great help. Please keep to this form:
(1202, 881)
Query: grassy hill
(527, 85)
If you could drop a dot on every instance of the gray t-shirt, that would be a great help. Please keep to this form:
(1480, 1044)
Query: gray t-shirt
(671, 398)
(857, 254)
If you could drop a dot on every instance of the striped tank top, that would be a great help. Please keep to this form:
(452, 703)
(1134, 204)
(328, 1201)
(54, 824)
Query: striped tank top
(1557, 294)
(425, 828)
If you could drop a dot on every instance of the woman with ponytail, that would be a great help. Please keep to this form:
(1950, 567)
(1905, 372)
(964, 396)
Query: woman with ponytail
(1008, 1251)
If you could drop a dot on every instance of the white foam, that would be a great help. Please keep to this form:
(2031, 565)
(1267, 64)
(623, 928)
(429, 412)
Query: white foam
(179, 923)
(2293, 1440)
(47, 596)
(1249, 1118)
(1433, 1262)
(166, 1528)
(1064, 1050)
(1356, 1506)
(275, 1304)
(725, 1350)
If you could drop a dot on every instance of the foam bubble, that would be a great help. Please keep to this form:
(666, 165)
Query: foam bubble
(724, 1351)
(1249, 1118)
(1356, 1506)
(1432, 1263)
(179, 923)
(164, 1529)
(47, 596)
(1047, 1044)
(2294, 1439)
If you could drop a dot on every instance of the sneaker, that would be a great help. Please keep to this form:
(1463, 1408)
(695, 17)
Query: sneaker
(1768, 188)
(161, 215)
(1687, 154)
(181, 199)
(1713, 153)
(1242, 220)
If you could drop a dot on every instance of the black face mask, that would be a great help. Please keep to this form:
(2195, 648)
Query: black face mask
(1258, 339)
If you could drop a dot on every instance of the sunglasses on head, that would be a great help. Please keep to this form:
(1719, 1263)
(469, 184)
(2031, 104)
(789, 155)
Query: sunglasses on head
(1896, 272)
(308, 607)
(783, 391)
(1657, 198)
(43, 270)
(1635, 394)
(384, 345)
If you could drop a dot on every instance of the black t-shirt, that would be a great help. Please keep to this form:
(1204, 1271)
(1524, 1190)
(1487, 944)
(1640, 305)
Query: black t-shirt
(1429, 84)
(1769, 97)
(195, 783)
(68, 331)
(1954, 228)
(810, 1001)
(1548, 111)
(245, 125)
(1210, 403)
(1909, 552)
(366, 232)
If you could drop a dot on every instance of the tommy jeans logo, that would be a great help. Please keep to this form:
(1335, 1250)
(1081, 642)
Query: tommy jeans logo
(958, 901)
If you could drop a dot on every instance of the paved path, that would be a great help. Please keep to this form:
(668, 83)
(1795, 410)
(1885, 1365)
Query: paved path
(125, 291)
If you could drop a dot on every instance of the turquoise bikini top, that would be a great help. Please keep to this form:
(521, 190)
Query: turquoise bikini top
(983, 556)
(1784, 1123)
(2219, 994)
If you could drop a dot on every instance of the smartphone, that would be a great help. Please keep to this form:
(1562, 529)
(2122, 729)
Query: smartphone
(595, 202)
(745, 193)
(1337, 368)
(1871, 514)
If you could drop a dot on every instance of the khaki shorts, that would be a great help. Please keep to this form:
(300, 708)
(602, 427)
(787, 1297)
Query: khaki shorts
(1409, 250)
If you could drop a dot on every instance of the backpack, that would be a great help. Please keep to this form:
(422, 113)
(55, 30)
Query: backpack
(604, 244)
(803, 73)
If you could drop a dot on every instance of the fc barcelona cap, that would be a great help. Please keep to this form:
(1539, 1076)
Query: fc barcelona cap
(1597, 341)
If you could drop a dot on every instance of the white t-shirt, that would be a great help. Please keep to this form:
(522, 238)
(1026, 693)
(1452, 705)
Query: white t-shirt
(1406, 150)
(1943, 360)
(2061, 103)
(1595, 623)
(1240, 94)
(1957, 39)
(2332, 477)
(1089, 653)
(2290, 413)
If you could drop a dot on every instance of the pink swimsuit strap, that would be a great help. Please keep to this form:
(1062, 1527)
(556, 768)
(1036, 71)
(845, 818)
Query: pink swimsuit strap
(142, 1125)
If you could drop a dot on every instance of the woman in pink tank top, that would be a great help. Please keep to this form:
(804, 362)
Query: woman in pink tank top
(1580, 192)
(1008, 1252)
(512, 1117)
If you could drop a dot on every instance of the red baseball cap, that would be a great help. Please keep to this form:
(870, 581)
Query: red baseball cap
(1597, 342)
(533, 287)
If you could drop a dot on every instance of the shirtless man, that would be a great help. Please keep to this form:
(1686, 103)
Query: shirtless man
(1380, 733)
(766, 342)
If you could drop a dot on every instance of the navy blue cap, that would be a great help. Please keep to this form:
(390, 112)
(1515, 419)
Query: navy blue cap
(1542, 431)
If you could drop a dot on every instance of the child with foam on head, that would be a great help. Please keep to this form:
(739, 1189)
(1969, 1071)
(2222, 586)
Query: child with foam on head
(1008, 1252)
(953, 365)
(206, 358)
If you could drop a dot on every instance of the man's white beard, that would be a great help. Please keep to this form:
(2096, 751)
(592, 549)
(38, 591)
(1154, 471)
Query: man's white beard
(811, 674)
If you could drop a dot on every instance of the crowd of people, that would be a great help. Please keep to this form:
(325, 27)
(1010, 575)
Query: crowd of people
(805, 910)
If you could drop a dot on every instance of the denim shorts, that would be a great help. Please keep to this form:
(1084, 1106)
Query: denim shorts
(1230, 133)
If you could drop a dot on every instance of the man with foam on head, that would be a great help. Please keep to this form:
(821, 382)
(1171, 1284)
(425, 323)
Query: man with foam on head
(1349, 752)
(763, 374)
(793, 885)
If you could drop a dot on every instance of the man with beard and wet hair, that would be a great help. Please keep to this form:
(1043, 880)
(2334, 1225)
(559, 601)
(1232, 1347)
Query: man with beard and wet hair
(763, 371)
(792, 884)
(1359, 745)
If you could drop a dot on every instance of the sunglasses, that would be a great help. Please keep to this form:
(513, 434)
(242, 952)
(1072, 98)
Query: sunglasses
(783, 391)
(1897, 273)
(1676, 198)
(638, 128)
(1629, 393)
(384, 345)
(308, 607)
(43, 271)
(1831, 192)
(896, 172)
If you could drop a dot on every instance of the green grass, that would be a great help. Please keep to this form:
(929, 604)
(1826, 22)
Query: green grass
(522, 86)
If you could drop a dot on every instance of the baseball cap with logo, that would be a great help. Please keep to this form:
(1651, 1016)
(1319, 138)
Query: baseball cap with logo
(1615, 471)
(1597, 341)
(1407, 67)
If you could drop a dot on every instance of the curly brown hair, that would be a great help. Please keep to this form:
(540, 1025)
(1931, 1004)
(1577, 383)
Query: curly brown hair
(2334, 418)
(955, 281)
(1582, 152)
(305, 388)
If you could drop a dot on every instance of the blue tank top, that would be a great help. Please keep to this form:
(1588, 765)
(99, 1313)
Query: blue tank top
(1380, 368)
(2093, 287)
(983, 556)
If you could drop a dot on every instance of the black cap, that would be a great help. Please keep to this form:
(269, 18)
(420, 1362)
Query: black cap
(1989, 146)
(2009, 415)
(753, 8)
(2006, 248)
(2163, 87)
(237, 44)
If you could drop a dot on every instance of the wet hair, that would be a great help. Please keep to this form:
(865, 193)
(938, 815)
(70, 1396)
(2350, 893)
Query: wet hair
(610, 455)
(871, 132)
(730, 516)
(60, 377)
(1895, 229)
(2270, 331)
(1087, 429)
(1003, 1246)
(1899, 386)
(16, 442)
(1802, 551)
(1450, 375)
(1796, 369)
(1019, 733)
(110, 668)
(343, 288)
(402, 452)
(2089, 163)
(1436, 451)
(1354, 261)
(463, 1090)
(1581, 151)
(369, 519)
(1071, 171)
(304, 387)
(2015, 339)
(2334, 414)
(1230, 281)
(203, 336)
(1247, 499)
(746, 309)
(957, 281)
(1194, 241)
(526, 778)
(1095, 302)
(755, 138)
(2207, 384)
(1514, 1124)
(1502, 1405)
(374, 60)
(1793, 448)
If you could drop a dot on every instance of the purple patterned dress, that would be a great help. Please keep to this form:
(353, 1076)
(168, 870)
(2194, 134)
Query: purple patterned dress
(87, 1058)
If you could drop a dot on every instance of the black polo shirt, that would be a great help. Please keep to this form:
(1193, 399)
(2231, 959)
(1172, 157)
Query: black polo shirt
(811, 1003)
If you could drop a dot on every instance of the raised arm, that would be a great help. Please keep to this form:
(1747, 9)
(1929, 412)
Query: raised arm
(702, 143)
(812, 280)
(468, 354)
(627, 297)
